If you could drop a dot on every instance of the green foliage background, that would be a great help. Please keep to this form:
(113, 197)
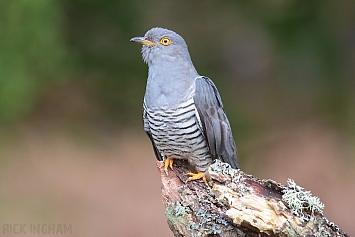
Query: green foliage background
(72, 146)
(71, 62)
(33, 53)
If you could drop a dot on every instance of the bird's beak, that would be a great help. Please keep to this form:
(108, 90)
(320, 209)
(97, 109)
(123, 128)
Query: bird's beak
(143, 40)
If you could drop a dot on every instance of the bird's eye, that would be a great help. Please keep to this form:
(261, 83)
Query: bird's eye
(165, 41)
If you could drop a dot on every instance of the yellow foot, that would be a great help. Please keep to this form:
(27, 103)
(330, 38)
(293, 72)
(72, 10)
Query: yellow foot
(193, 176)
(168, 163)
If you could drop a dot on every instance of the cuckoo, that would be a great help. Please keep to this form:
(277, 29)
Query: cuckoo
(183, 113)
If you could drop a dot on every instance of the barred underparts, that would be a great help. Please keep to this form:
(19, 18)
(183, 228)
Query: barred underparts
(177, 134)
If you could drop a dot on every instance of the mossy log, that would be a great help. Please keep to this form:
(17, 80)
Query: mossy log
(236, 204)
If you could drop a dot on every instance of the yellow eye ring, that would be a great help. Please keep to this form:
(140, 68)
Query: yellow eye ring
(165, 41)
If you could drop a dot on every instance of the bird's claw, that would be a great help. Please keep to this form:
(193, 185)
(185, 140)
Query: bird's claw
(168, 163)
(193, 176)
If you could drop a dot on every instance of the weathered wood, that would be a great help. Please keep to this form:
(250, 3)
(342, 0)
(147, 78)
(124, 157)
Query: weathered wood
(236, 204)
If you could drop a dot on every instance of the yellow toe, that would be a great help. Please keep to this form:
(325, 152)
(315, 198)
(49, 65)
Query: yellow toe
(193, 176)
(168, 163)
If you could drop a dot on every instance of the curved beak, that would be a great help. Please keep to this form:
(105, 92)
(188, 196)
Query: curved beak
(143, 40)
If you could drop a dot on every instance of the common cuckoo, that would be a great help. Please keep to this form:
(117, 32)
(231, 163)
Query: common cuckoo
(183, 113)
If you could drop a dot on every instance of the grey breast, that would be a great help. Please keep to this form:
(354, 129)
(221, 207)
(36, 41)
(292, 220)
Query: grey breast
(177, 133)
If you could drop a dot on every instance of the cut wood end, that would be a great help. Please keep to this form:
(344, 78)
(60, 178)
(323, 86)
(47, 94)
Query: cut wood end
(252, 210)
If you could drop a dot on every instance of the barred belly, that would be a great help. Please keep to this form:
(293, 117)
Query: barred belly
(177, 134)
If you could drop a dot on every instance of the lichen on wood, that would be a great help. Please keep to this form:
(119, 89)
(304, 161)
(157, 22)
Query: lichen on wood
(237, 204)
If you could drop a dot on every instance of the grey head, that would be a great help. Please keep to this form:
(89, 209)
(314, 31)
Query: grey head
(161, 45)
(171, 72)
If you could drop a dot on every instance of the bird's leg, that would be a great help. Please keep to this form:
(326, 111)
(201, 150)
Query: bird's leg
(168, 163)
(193, 176)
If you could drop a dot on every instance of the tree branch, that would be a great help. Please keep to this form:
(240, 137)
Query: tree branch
(236, 204)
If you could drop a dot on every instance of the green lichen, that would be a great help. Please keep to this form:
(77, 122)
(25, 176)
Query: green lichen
(180, 210)
(321, 230)
(293, 231)
(223, 168)
(290, 230)
(176, 213)
(208, 222)
(322, 233)
(301, 202)
(226, 169)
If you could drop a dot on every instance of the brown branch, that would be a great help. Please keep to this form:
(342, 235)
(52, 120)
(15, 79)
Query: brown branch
(236, 204)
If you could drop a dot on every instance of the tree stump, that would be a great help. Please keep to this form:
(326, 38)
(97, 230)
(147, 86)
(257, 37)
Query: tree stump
(237, 204)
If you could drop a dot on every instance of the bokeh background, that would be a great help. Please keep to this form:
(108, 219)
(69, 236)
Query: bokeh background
(72, 147)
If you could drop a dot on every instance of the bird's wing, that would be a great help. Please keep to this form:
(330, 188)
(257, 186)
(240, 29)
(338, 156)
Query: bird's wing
(147, 130)
(214, 122)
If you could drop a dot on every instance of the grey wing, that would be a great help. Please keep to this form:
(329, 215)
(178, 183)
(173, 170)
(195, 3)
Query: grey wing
(215, 124)
(147, 130)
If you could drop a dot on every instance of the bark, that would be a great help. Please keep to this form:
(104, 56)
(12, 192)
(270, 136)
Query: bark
(237, 204)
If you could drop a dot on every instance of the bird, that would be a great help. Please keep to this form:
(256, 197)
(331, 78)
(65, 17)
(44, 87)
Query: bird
(183, 114)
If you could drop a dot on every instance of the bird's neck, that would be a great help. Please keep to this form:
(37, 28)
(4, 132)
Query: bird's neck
(170, 83)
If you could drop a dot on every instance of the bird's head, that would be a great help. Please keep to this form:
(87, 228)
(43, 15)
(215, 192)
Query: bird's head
(162, 45)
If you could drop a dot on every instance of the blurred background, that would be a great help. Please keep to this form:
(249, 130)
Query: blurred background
(72, 146)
